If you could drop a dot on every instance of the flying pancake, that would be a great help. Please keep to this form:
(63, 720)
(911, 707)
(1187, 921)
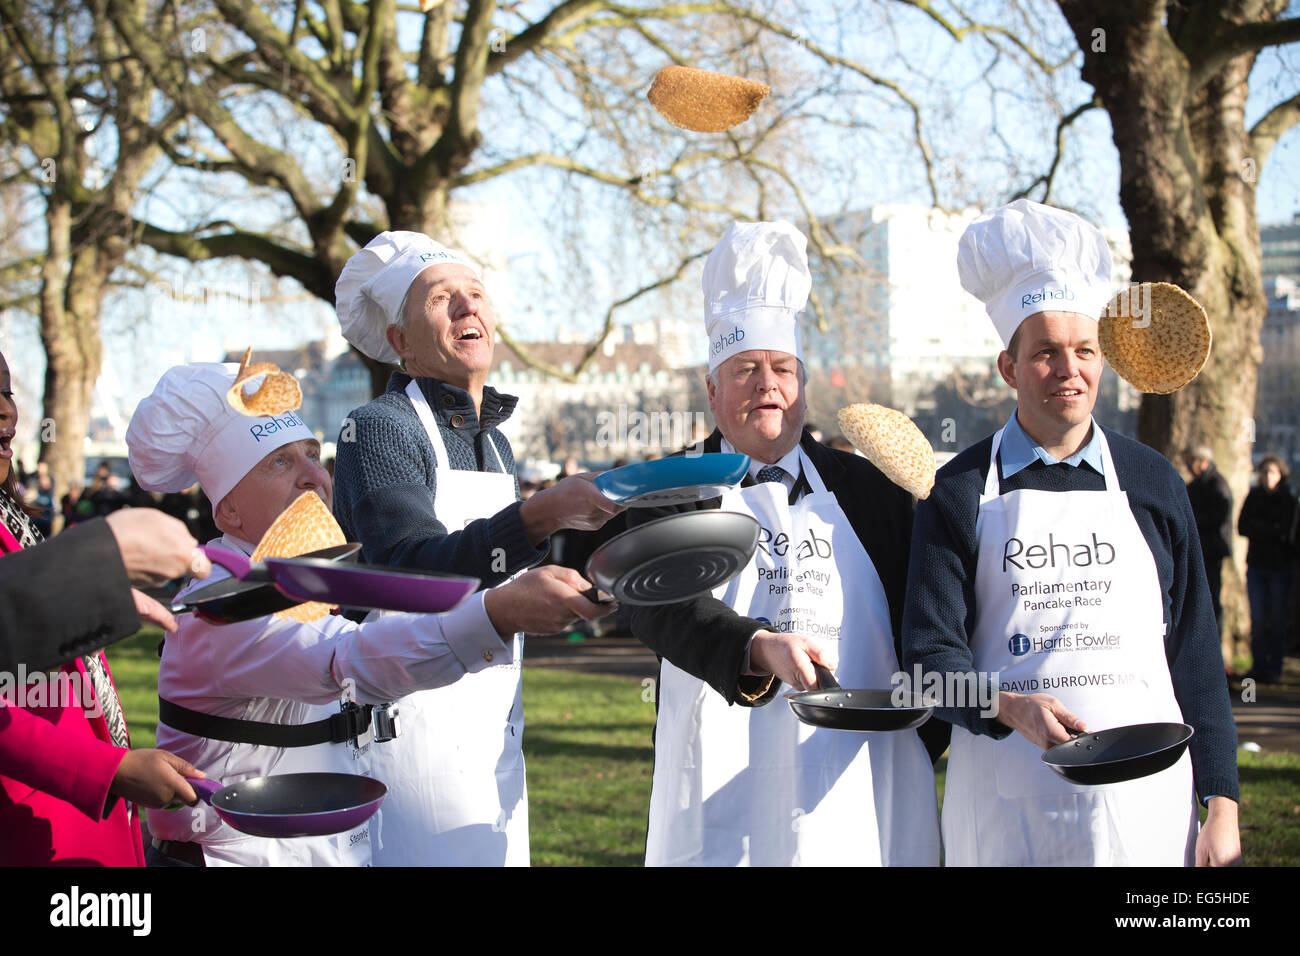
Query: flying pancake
(278, 393)
(702, 101)
(1155, 336)
(892, 442)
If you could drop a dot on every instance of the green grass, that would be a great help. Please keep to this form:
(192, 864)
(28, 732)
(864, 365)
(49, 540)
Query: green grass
(588, 748)
(1270, 808)
(589, 756)
(134, 663)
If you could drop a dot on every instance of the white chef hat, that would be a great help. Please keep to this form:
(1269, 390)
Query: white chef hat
(372, 287)
(185, 431)
(1027, 258)
(756, 281)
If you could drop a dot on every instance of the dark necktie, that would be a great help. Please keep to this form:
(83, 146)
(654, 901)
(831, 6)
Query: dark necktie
(771, 473)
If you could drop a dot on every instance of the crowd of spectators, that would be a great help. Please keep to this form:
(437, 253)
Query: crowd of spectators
(105, 492)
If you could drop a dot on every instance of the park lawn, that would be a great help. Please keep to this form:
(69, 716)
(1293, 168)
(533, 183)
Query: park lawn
(134, 663)
(587, 743)
(1270, 808)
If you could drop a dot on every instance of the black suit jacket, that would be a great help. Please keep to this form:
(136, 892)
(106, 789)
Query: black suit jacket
(708, 640)
(64, 598)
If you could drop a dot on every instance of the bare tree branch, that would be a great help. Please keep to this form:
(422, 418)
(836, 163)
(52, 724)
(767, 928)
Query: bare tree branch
(1217, 48)
(326, 94)
(1265, 133)
(1046, 179)
(259, 159)
(985, 30)
(282, 261)
(607, 325)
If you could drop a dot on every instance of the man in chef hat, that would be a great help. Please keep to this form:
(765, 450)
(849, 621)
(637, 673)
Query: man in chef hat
(238, 700)
(751, 784)
(1062, 560)
(426, 480)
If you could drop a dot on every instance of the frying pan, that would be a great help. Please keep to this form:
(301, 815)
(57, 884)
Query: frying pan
(231, 600)
(833, 706)
(1119, 754)
(294, 804)
(312, 579)
(680, 480)
(676, 558)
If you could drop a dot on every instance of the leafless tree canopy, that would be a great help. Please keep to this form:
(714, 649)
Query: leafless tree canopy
(294, 130)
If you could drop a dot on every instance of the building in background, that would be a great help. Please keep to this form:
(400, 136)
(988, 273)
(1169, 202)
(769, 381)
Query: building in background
(628, 403)
(1277, 400)
(1279, 247)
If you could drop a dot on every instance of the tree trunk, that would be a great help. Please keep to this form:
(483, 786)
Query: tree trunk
(1188, 192)
(70, 300)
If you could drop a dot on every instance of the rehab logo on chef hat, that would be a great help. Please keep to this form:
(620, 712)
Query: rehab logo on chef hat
(1019, 645)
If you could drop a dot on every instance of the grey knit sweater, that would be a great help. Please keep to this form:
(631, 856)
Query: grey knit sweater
(385, 476)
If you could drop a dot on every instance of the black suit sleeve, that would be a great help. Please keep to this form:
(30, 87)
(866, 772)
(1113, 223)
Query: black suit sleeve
(64, 598)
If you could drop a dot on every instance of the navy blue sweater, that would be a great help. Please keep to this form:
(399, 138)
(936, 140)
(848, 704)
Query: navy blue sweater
(939, 612)
(385, 476)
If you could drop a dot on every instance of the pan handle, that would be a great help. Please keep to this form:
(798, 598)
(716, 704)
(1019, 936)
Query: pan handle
(233, 561)
(203, 789)
(596, 596)
(825, 679)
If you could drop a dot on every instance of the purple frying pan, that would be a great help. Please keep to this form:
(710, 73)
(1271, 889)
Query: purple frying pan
(294, 804)
(311, 579)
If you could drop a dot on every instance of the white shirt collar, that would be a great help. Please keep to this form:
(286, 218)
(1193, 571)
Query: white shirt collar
(789, 462)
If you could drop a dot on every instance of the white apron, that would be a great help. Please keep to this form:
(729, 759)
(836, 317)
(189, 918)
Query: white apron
(455, 772)
(755, 785)
(1069, 605)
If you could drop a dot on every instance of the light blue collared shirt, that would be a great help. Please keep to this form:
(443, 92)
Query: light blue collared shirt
(1018, 450)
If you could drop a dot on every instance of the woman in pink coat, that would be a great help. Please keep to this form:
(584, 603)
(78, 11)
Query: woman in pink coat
(66, 769)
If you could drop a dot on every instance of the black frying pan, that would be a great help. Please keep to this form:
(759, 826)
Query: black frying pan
(231, 600)
(672, 559)
(833, 706)
(1119, 754)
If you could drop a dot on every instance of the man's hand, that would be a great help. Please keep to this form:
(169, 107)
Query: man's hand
(572, 502)
(152, 611)
(1219, 842)
(155, 778)
(541, 601)
(790, 656)
(155, 547)
(1039, 718)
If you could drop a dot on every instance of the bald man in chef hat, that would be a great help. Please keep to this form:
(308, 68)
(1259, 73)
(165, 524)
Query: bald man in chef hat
(426, 480)
(1056, 571)
(240, 700)
(750, 784)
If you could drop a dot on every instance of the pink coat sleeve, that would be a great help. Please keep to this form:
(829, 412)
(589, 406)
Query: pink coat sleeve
(71, 766)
